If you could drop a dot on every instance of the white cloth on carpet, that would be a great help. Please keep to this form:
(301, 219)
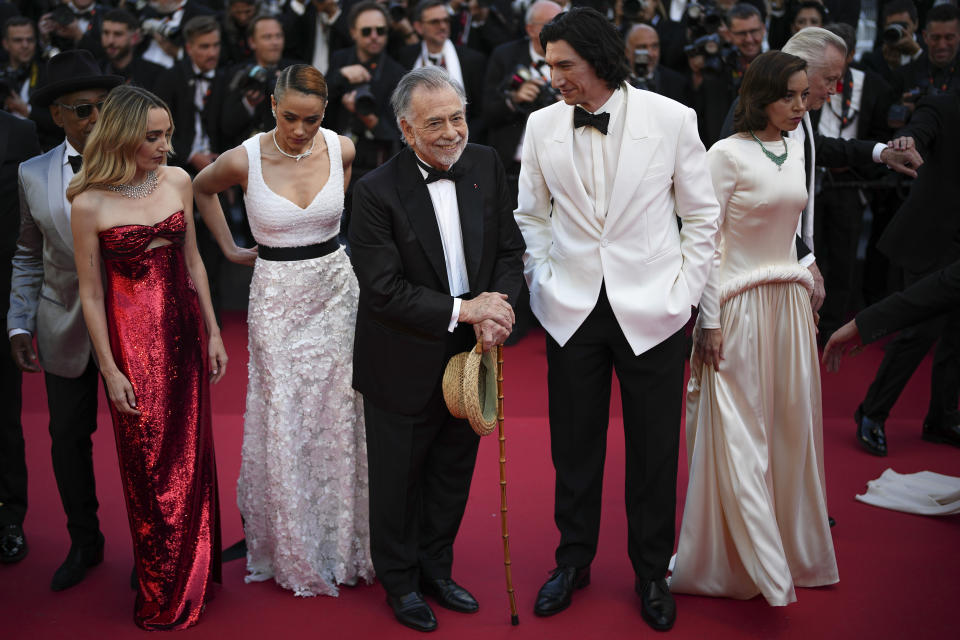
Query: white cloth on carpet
(925, 493)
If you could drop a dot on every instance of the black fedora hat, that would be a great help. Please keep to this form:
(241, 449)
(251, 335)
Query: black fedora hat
(70, 71)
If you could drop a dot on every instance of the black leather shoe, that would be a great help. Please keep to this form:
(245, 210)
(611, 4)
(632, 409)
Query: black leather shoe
(13, 544)
(74, 568)
(949, 434)
(412, 611)
(555, 594)
(450, 595)
(870, 434)
(656, 604)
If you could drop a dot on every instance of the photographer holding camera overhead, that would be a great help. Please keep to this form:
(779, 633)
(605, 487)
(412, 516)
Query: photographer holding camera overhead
(935, 73)
(162, 22)
(643, 57)
(75, 24)
(246, 109)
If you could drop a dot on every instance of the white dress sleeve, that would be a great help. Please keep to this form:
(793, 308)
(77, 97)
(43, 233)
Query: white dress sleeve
(725, 172)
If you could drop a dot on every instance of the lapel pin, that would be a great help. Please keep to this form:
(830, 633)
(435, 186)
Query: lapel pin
(475, 186)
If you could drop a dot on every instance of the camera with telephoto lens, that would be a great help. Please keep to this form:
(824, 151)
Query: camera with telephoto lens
(703, 19)
(365, 103)
(546, 97)
(717, 55)
(253, 77)
(641, 68)
(160, 27)
(893, 33)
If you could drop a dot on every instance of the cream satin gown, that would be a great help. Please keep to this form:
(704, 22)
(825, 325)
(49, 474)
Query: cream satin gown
(755, 519)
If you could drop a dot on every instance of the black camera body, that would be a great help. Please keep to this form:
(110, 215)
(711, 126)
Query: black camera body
(893, 33)
(62, 15)
(547, 96)
(703, 19)
(717, 54)
(641, 66)
(365, 102)
(253, 77)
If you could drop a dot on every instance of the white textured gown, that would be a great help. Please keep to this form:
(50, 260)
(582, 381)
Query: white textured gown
(755, 520)
(303, 477)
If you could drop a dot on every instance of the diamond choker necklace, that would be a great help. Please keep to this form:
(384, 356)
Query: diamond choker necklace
(297, 157)
(137, 191)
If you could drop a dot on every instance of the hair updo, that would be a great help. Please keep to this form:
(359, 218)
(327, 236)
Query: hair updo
(303, 78)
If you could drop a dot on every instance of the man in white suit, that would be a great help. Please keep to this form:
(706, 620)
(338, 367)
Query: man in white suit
(44, 302)
(604, 176)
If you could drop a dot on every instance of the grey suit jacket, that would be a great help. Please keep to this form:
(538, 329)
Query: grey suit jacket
(44, 293)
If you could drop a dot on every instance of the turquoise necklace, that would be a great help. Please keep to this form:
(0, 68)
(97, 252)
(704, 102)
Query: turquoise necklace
(777, 160)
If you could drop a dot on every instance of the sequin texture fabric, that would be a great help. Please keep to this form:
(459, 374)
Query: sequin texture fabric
(166, 454)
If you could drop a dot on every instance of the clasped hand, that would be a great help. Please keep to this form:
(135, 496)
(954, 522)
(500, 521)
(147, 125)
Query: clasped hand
(491, 316)
(707, 348)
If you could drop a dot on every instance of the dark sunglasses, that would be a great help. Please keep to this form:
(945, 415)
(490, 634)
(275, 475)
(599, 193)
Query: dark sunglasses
(366, 31)
(82, 111)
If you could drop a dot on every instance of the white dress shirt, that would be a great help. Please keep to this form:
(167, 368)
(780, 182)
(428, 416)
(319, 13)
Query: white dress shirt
(595, 156)
(321, 46)
(201, 141)
(443, 194)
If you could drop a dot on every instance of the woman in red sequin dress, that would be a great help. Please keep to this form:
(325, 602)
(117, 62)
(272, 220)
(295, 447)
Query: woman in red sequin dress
(156, 338)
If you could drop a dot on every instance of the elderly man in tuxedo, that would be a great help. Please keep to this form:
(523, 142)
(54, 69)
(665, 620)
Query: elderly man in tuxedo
(44, 301)
(612, 279)
(437, 255)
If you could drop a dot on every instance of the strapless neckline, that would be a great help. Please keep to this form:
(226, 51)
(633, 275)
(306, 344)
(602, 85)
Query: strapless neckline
(146, 226)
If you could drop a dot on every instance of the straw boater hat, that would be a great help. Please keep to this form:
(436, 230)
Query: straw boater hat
(470, 389)
(70, 71)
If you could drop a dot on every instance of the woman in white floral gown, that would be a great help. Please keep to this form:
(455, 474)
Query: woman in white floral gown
(303, 479)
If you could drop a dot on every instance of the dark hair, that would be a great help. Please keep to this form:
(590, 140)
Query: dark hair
(122, 16)
(942, 13)
(594, 38)
(363, 7)
(18, 21)
(742, 11)
(810, 4)
(230, 3)
(257, 19)
(899, 6)
(764, 82)
(200, 26)
(423, 5)
(304, 78)
(845, 31)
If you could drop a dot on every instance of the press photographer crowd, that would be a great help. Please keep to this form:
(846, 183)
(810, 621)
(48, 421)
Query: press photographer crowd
(867, 117)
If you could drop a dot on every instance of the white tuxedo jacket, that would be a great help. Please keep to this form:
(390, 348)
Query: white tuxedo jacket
(654, 272)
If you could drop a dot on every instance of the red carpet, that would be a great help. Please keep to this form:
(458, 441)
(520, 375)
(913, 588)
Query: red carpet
(898, 572)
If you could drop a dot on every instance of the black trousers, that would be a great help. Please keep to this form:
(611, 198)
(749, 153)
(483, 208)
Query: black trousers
(905, 353)
(651, 386)
(72, 403)
(13, 463)
(420, 468)
(837, 232)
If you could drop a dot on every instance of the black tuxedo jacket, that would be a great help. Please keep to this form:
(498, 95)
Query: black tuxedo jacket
(504, 125)
(176, 88)
(920, 235)
(937, 293)
(473, 66)
(140, 72)
(18, 142)
(300, 32)
(402, 343)
(236, 123)
(671, 84)
(385, 80)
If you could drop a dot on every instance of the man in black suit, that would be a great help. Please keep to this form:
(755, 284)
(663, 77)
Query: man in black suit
(314, 29)
(937, 71)
(935, 294)
(890, 57)
(923, 236)
(119, 36)
(18, 142)
(466, 66)
(643, 57)
(163, 22)
(435, 250)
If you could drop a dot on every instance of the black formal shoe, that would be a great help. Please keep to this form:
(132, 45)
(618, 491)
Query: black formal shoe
(555, 594)
(831, 521)
(656, 604)
(949, 434)
(412, 611)
(450, 595)
(870, 434)
(74, 568)
(235, 551)
(13, 544)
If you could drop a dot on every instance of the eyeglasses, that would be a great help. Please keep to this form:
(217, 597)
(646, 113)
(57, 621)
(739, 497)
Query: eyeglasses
(82, 111)
(752, 33)
(366, 31)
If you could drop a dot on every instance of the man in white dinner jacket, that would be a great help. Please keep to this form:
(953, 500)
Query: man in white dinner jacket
(604, 176)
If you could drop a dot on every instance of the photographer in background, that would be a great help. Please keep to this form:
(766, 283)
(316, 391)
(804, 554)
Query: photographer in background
(402, 32)
(25, 72)
(233, 28)
(936, 72)
(120, 36)
(162, 22)
(643, 56)
(484, 25)
(360, 83)
(75, 24)
(246, 109)
(900, 46)
(314, 29)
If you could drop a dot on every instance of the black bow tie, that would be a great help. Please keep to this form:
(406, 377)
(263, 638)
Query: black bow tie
(583, 118)
(208, 76)
(452, 174)
(75, 163)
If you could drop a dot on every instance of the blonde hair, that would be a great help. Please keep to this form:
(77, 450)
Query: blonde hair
(109, 155)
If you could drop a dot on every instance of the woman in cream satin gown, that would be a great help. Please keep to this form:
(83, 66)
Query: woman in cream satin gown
(755, 519)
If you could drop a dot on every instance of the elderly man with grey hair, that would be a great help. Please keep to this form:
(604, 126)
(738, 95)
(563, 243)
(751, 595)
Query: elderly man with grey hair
(825, 53)
(437, 254)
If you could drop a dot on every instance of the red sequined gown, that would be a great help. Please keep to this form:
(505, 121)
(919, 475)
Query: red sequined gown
(166, 454)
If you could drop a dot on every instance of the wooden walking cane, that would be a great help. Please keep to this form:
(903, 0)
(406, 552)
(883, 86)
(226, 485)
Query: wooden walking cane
(514, 618)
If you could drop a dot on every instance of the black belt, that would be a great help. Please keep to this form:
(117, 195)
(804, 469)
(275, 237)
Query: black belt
(287, 254)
